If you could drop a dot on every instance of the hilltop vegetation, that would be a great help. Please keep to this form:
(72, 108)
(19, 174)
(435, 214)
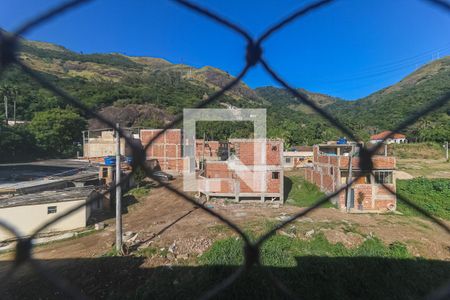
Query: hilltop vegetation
(142, 91)
(387, 108)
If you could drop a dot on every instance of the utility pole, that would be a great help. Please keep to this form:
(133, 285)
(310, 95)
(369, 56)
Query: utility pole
(203, 154)
(5, 98)
(446, 150)
(14, 111)
(385, 149)
(118, 196)
(349, 179)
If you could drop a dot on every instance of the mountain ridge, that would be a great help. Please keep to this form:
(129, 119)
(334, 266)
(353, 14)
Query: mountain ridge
(112, 79)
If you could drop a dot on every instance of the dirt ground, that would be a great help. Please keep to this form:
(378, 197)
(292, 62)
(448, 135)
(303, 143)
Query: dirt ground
(166, 222)
(169, 233)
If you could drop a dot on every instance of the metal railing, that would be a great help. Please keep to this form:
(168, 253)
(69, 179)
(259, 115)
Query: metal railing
(254, 55)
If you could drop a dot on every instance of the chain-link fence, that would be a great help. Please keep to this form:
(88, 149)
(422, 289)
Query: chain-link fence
(254, 55)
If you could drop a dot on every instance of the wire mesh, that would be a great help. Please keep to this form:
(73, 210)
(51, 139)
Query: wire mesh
(253, 56)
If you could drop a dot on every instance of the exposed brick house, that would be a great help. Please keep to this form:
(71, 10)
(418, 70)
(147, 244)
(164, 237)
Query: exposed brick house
(166, 151)
(208, 149)
(254, 170)
(330, 172)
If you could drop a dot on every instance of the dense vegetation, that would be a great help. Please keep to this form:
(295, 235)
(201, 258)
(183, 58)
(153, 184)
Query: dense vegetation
(51, 133)
(433, 195)
(101, 80)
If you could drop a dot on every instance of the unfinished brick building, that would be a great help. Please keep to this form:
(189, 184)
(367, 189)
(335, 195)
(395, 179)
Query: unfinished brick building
(253, 171)
(330, 172)
(98, 144)
(208, 150)
(166, 150)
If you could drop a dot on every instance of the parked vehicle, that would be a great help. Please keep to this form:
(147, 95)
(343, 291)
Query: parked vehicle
(163, 176)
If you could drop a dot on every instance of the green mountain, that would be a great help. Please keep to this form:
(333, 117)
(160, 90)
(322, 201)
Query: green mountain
(385, 109)
(143, 91)
(277, 96)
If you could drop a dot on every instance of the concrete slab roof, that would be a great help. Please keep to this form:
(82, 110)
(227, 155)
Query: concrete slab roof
(69, 194)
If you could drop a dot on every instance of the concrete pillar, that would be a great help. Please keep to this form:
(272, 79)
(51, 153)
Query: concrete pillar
(237, 190)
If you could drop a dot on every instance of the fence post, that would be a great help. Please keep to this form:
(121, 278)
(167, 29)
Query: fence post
(349, 179)
(118, 196)
(446, 150)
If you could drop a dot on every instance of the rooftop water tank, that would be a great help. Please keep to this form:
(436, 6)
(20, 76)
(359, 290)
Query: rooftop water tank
(342, 141)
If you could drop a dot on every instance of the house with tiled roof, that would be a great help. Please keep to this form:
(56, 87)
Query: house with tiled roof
(393, 138)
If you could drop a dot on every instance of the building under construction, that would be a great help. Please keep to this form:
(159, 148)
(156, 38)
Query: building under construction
(330, 171)
(252, 171)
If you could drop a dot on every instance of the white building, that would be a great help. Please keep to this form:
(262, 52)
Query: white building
(396, 138)
(297, 157)
(26, 213)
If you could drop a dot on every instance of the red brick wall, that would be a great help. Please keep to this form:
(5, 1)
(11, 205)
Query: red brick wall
(253, 182)
(315, 153)
(384, 204)
(167, 148)
(379, 162)
(274, 185)
(220, 185)
(249, 152)
(317, 179)
(327, 183)
(366, 190)
(217, 170)
(211, 149)
(382, 191)
(249, 181)
(381, 201)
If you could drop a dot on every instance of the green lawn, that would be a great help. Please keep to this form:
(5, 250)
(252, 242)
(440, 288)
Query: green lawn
(301, 192)
(433, 195)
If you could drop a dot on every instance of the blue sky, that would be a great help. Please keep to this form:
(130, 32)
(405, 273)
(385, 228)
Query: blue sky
(348, 49)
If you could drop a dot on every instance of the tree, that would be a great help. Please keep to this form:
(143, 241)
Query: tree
(58, 131)
(17, 144)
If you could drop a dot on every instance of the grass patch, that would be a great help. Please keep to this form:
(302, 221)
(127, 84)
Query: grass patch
(430, 194)
(417, 150)
(111, 253)
(147, 252)
(282, 251)
(219, 228)
(139, 192)
(302, 193)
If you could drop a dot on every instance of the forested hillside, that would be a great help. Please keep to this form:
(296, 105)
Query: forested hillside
(388, 107)
(142, 91)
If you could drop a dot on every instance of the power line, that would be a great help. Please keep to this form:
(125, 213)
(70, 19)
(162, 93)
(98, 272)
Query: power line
(391, 67)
